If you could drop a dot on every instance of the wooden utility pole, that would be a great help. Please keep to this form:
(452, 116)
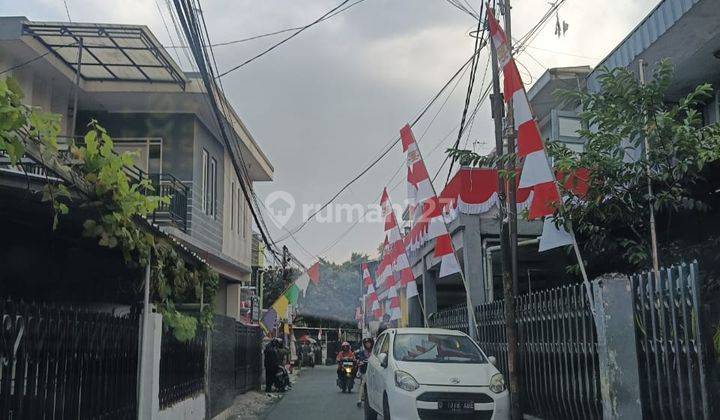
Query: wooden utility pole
(510, 268)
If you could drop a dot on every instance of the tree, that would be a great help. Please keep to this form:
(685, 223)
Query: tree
(611, 221)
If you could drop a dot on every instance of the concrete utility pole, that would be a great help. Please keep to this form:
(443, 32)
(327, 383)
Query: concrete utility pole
(510, 268)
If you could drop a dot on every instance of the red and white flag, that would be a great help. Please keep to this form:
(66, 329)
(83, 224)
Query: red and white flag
(428, 213)
(536, 170)
(396, 250)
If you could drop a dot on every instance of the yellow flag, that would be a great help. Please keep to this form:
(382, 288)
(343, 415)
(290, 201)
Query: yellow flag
(281, 306)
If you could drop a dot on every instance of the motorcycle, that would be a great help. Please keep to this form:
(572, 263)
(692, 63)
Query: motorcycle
(346, 381)
(282, 379)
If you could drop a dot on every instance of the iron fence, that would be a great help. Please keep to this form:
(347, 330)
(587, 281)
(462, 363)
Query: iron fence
(670, 345)
(182, 368)
(66, 363)
(235, 362)
(557, 346)
(248, 357)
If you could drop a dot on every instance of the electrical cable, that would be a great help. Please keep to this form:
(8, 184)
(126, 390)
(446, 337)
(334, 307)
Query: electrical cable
(298, 32)
(481, 30)
(265, 35)
(34, 59)
(384, 153)
(190, 25)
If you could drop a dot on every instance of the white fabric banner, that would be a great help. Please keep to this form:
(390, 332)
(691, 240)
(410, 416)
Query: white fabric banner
(552, 237)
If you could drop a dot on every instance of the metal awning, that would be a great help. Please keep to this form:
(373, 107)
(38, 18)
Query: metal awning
(109, 52)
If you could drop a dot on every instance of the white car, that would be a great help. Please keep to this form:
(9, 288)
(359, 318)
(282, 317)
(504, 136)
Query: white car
(431, 373)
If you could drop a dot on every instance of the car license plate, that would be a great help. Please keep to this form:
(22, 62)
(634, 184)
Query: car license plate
(456, 405)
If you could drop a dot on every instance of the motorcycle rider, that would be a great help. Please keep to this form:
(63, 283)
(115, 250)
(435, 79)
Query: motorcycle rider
(344, 353)
(362, 356)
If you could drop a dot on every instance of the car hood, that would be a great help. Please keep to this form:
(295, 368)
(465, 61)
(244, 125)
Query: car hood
(450, 374)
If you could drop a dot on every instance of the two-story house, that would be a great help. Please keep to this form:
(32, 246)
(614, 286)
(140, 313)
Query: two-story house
(121, 76)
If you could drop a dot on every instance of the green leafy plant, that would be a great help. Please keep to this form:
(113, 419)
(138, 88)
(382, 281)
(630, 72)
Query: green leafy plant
(611, 220)
(117, 205)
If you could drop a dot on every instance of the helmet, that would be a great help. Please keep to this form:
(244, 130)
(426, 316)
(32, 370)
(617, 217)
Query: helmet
(345, 346)
(368, 340)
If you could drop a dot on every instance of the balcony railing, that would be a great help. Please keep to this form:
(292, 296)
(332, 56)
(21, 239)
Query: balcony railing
(174, 212)
(164, 185)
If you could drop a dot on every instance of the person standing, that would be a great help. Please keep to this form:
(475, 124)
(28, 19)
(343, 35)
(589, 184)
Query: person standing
(271, 362)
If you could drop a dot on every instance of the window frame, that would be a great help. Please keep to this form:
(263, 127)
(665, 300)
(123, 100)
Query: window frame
(232, 206)
(213, 188)
(204, 181)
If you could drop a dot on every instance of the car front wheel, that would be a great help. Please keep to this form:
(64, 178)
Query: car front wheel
(370, 414)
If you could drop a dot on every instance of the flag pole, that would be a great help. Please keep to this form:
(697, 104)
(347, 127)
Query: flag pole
(400, 235)
(472, 324)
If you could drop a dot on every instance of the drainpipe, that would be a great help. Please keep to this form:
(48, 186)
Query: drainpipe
(488, 262)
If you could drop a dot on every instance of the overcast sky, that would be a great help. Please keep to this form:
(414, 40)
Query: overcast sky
(327, 102)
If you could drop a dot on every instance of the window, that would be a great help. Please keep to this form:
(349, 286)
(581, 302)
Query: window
(241, 213)
(378, 344)
(436, 348)
(232, 206)
(568, 126)
(205, 181)
(385, 347)
(213, 187)
(209, 184)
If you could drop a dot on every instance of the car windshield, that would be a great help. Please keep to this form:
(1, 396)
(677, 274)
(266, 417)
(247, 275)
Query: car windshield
(436, 348)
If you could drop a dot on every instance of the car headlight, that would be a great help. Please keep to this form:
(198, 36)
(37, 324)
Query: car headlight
(497, 383)
(404, 380)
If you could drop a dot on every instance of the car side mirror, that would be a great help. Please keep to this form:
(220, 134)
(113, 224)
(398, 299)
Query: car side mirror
(492, 360)
(383, 359)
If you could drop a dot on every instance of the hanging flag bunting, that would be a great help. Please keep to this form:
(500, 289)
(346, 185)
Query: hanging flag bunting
(269, 321)
(303, 282)
(292, 294)
(314, 273)
(428, 218)
(282, 308)
(400, 260)
(428, 212)
(367, 280)
(536, 170)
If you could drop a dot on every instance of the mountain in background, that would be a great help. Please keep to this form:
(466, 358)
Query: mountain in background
(338, 293)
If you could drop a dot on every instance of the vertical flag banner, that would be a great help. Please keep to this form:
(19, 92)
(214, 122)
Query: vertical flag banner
(536, 171)
(429, 218)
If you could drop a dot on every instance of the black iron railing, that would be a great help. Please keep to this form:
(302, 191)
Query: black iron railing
(557, 349)
(58, 363)
(175, 212)
(248, 357)
(182, 368)
(670, 346)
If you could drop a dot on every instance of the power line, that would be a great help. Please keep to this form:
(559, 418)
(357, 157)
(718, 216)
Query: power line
(34, 59)
(384, 153)
(189, 22)
(298, 32)
(265, 35)
(67, 10)
(480, 35)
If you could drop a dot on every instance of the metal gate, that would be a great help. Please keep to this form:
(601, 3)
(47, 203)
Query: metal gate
(557, 342)
(58, 363)
(670, 344)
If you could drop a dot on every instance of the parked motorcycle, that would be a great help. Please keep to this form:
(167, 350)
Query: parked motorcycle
(282, 379)
(346, 381)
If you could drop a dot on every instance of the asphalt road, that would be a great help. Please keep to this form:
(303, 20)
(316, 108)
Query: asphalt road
(315, 396)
